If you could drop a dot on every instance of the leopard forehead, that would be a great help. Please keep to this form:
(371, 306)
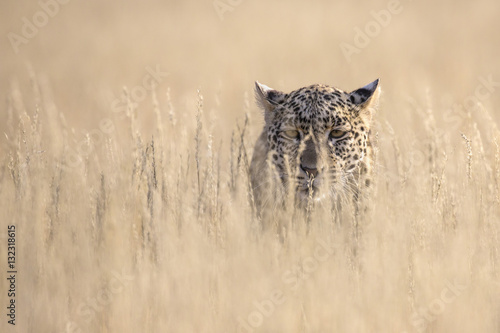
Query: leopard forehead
(316, 107)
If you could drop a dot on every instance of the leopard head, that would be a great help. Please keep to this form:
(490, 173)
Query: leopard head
(318, 136)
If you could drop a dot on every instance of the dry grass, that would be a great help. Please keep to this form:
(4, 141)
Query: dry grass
(141, 220)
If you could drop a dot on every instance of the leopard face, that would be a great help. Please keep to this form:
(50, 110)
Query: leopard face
(316, 138)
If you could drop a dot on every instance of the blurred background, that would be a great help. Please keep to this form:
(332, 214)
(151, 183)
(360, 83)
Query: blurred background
(87, 51)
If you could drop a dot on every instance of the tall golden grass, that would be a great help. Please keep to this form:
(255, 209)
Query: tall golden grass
(132, 205)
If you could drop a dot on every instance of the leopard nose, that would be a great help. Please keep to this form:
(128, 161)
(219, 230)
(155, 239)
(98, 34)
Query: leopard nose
(309, 171)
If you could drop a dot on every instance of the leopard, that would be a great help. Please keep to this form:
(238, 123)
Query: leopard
(316, 145)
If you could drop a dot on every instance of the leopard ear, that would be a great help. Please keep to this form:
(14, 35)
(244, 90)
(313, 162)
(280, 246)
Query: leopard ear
(268, 98)
(366, 98)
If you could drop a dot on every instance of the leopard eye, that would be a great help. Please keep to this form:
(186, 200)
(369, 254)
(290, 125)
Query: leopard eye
(337, 134)
(291, 134)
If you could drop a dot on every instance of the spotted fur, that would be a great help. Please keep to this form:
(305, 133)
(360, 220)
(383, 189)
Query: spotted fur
(315, 142)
